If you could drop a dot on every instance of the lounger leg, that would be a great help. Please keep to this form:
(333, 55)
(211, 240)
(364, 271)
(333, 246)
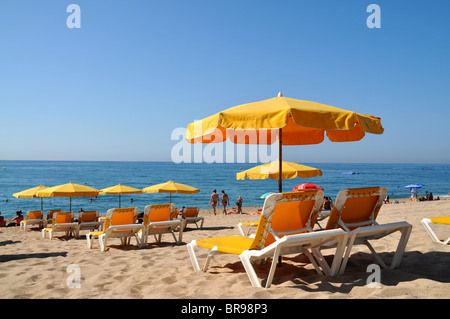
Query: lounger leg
(426, 223)
(50, 234)
(317, 256)
(273, 267)
(350, 242)
(102, 242)
(43, 233)
(245, 259)
(208, 259)
(90, 240)
(193, 257)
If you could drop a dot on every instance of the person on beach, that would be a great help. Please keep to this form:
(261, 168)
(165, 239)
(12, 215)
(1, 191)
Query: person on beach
(413, 194)
(214, 200)
(239, 205)
(16, 220)
(225, 201)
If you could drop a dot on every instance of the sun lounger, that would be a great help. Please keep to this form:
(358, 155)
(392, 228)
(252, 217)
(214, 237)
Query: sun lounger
(158, 220)
(119, 223)
(61, 222)
(426, 222)
(291, 238)
(49, 217)
(87, 220)
(355, 211)
(34, 217)
(190, 216)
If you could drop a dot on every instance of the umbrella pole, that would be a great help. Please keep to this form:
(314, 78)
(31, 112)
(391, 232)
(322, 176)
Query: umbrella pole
(280, 163)
(42, 205)
(280, 160)
(171, 198)
(70, 205)
(119, 200)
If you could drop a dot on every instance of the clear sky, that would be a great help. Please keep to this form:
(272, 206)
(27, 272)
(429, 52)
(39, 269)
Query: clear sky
(117, 87)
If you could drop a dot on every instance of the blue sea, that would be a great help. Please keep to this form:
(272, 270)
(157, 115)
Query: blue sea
(16, 176)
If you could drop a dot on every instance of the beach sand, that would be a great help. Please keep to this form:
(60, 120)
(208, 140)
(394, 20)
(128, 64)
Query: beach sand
(33, 267)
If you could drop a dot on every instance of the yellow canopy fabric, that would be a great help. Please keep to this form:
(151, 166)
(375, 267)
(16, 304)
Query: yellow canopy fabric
(303, 123)
(68, 190)
(120, 189)
(271, 170)
(171, 187)
(29, 193)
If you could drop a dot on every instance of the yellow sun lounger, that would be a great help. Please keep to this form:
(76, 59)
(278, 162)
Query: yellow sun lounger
(88, 220)
(158, 220)
(355, 211)
(190, 216)
(50, 215)
(61, 222)
(34, 217)
(293, 209)
(119, 223)
(426, 222)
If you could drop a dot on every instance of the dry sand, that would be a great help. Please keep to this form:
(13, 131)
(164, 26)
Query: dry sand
(33, 267)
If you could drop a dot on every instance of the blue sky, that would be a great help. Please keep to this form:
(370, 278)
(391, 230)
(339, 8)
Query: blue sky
(116, 88)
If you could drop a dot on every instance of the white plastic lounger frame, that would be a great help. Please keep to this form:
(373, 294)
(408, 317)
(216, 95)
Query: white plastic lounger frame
(33, 221)
(124, 232)
(426, 223)
(161, 227)
(68, 228)
(89, 225)
(192, 219)
(370, 229)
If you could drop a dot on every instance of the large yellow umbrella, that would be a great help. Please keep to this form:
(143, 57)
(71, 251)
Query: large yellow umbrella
(171, 187)
(290, 121)
(119, 190)
(31, 193)
(69, 190)
(272, 170)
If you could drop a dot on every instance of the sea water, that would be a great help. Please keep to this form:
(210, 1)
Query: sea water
(16, 176)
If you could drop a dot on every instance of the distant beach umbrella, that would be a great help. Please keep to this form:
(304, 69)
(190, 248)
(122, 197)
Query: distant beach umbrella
(272, 170)
(414, 186)
(290, 121)
(306, 186)
(31, 193)
(171, 187)
(69, 190)
(120, 190)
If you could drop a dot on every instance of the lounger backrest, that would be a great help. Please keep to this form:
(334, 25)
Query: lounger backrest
(121, 216)
(355, 207)
(88, 216)
(35, 214)
(51, 212)
(158, 213)
(296, 213)
(62, 218)
(191, 211)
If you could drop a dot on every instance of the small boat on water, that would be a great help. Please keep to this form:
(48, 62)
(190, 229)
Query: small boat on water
(350, 173)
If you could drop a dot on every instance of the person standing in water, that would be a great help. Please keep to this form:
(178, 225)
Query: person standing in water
(214, 200)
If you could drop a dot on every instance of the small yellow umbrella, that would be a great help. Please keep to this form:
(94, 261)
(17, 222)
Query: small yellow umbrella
(69, 190)
(119, 190)
(171, 187)
(31, 193)
(271, 170)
